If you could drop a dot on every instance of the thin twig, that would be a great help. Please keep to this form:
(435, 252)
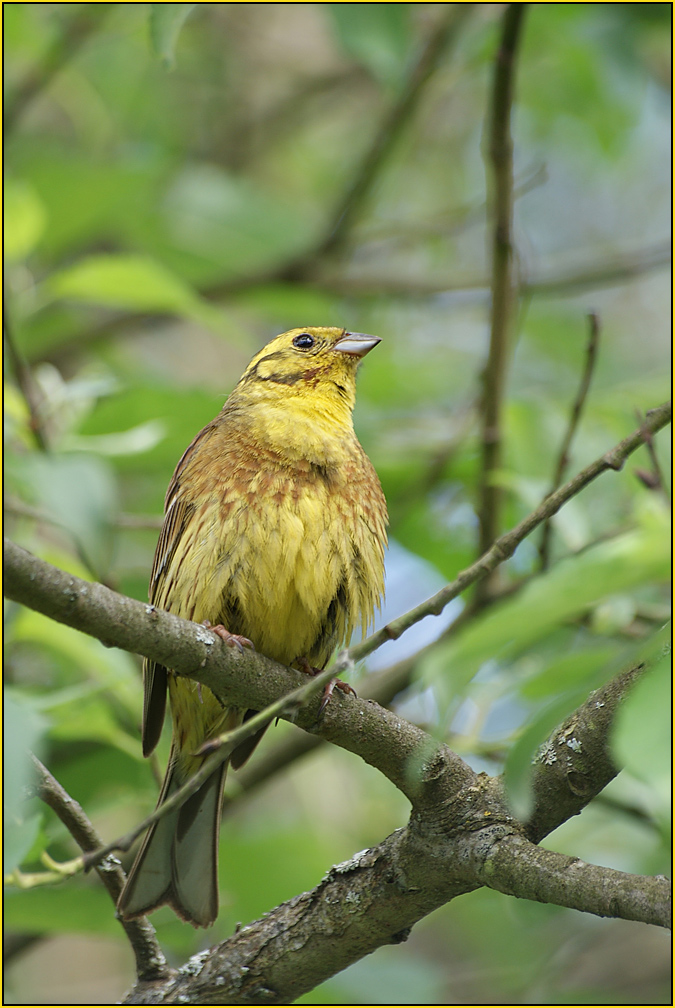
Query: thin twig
(575, 416)
(449, 846)
(351, 203)
(219, 749)
(383, 686)
(25, 381)
(570, 282)
(500, 166)
(402, 233)
(150, 962)
(654, 480)
(506, 545)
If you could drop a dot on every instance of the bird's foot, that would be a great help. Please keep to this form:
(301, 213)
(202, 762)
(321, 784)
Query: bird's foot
(231, 639)
(329, 687)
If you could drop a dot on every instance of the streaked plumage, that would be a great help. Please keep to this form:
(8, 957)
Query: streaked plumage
(274, 527)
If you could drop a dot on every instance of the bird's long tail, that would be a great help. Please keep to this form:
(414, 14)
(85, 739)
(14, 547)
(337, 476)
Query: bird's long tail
(177, 863)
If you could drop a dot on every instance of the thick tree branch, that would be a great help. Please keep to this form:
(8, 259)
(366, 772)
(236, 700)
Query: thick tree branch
(575, 763)
(460, 839)
(515, 867)
(459, 820)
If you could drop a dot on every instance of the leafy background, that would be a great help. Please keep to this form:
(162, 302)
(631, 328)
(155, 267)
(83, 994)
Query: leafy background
(166, 164)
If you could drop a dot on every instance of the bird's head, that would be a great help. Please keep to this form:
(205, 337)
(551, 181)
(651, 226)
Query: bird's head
(309, 361)
(304, 379)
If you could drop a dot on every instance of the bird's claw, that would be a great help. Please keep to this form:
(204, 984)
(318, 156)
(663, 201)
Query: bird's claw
(304, 666)
(328, 692)
(231, 639)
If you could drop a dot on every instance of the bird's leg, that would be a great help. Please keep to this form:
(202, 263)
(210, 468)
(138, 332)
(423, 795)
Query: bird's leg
(231, 639)
(304, 666)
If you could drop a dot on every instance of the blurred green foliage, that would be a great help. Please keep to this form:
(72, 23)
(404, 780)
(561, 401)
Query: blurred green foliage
(166, 165)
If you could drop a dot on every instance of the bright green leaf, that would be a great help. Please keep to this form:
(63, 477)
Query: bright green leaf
(641, 737)
(123, 281)
(25, 219)
(166, 21)
(134, 283)
(569, 589)
(105, 668)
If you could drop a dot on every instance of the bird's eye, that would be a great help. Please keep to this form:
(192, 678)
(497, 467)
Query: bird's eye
(304, 341)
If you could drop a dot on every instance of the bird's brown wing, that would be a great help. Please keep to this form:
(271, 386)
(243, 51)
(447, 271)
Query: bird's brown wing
(178, 510)
(154, 675)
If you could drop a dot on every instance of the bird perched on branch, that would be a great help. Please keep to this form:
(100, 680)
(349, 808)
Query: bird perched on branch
(274, 530)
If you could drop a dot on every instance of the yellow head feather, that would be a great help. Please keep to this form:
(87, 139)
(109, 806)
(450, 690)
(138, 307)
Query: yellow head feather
(298, 392)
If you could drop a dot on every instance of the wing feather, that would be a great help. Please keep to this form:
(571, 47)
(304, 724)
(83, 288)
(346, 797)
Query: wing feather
(178, 511)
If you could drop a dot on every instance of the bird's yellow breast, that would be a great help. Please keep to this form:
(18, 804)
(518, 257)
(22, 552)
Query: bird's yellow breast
(289, 555)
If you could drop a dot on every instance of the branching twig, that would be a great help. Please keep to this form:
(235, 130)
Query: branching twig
(351, 203)
(655, 479)
(150, 962)
(402, 233)
(222, 746)
(500, 164)
(575, 416)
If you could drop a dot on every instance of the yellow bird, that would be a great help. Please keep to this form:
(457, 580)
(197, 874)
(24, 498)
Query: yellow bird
(275, 529)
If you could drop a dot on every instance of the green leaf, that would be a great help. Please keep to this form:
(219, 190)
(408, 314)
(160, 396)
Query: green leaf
(24, 733)
(134, 283)
(91, 718)
(25, 219)
(79, 492)
(105, 668)
(568, 590)
(568, 671)
(641, 735)
(377, 35)
(166, 21)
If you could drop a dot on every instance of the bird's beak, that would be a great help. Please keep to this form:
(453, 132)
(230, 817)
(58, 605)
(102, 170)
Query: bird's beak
(356, 344)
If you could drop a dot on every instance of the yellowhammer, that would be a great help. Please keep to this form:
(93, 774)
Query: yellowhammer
(274, 527)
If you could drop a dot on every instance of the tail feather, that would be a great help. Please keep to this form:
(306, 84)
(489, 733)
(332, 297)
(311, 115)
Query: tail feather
(177, 863)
